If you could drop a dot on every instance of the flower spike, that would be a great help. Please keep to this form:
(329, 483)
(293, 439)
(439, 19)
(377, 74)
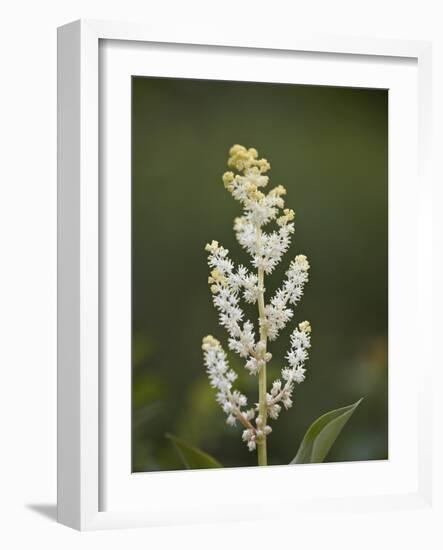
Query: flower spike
(247, 181)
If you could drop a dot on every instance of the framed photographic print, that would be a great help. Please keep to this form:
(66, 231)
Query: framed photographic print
(242, 276)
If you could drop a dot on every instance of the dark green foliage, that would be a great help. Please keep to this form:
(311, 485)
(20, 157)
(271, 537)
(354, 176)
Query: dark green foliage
(329, 148)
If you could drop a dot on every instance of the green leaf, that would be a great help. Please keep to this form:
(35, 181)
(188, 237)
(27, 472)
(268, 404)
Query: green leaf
(322, 434)
(192, 457)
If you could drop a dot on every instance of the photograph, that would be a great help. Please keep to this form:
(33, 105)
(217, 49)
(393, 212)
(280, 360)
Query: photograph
(259, 274)
(222, 266)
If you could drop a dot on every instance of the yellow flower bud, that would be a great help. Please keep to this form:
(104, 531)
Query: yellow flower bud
(289, 213)
(212, 247)
(235, 149)
(264, 165)
(302, 262)
(228, 178)
(288, 216)
(209, 342)
(305, 327)
(278, 191)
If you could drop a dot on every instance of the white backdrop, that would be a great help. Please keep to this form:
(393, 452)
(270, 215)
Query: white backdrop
(28, 259)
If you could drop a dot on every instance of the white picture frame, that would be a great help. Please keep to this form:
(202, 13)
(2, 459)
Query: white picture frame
(95, 492)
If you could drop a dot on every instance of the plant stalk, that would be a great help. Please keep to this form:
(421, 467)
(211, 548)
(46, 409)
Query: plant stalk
(262, 384)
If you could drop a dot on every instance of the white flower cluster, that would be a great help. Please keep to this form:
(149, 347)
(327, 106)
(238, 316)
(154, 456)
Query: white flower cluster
(295, 373)
(221, 377)
(252, 435)
(277, 311)
(225, 286)
(228, 284)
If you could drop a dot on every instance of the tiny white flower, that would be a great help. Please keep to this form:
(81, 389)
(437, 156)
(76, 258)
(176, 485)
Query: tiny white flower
(252, 365)
(231, 420)
(299, 375)
(276, 388)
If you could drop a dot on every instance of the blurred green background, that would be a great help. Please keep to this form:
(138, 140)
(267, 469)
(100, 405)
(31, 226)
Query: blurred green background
(329, 147)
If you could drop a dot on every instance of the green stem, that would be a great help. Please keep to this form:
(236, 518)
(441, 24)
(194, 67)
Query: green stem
(261, 443)
(262, 408)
